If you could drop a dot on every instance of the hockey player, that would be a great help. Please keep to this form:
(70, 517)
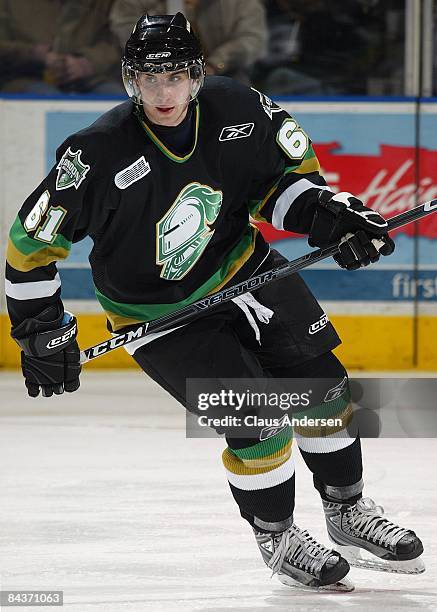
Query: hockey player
(164, 184)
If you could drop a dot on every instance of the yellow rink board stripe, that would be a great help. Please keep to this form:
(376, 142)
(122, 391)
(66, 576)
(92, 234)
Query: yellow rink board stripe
(369, 342)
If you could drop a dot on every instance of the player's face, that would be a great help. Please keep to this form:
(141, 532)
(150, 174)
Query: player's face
(165, 96)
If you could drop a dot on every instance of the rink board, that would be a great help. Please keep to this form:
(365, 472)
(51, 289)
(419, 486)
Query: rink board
(386, 316)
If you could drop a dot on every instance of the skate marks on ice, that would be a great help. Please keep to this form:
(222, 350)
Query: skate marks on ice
(103, 497)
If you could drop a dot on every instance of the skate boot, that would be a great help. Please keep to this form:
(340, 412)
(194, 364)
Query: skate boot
(300, 561)
(368, 540)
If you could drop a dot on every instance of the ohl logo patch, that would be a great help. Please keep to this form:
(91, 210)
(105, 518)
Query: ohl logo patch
(71, 170)
(183, 232)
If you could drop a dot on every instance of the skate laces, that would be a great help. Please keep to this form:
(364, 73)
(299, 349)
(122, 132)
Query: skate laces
(301, 549)
(368, 518)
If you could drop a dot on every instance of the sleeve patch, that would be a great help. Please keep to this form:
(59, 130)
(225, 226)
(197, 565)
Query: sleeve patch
(71, 170)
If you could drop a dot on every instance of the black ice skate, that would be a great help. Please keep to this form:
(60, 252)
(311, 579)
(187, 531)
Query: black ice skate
(300, 561)
(368, 540)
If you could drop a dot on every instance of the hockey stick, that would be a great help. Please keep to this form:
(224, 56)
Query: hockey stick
(188, 313)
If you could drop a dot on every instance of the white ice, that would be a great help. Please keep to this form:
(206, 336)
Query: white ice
(103, 497)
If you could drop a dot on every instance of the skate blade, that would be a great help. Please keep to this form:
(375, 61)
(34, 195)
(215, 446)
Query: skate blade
(359, 557)
(342, 586)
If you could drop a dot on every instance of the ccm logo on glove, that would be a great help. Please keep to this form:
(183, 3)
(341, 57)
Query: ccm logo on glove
(56, 342)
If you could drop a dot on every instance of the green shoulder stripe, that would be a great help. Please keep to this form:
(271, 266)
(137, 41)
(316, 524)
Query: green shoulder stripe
(309, 163)
(271, 446)
(27, 245)
(256, 205)
(25, 263)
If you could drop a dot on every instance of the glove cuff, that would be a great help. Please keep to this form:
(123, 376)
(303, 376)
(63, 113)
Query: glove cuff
(50, 337)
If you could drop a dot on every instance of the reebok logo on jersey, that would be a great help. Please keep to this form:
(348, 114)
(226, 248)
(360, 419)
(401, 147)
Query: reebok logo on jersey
(336, 391)
(318, 325)
(232, 132)
(71, 170)
(133, 173)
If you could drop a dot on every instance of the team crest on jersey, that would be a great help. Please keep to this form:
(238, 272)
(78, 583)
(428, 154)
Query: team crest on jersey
(71, 170)
(268, 105)
(183, 232)
(232, 132)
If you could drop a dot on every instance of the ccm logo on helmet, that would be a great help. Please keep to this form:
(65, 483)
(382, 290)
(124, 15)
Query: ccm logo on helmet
(158, 55)
(55, 342)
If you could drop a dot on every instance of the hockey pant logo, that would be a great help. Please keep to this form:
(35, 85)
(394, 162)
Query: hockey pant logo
(232, 132)
(318, 325)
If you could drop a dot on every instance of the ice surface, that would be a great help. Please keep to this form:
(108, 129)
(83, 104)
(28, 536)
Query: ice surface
(103, 497)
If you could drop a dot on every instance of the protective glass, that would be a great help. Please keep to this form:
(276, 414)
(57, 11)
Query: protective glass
(167, 88)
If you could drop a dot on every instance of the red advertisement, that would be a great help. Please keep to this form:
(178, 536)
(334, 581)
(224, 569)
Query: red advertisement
(396, 180)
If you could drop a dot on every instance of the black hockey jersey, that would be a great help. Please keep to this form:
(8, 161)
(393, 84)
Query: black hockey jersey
(167, 230)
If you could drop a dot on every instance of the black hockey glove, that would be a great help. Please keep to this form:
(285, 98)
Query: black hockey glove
(50, 356)
(361, 230)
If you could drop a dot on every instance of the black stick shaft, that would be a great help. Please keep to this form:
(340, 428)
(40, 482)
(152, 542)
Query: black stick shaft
(190, 312)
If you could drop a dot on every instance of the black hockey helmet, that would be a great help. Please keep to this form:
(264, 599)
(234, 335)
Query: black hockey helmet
(161, 43)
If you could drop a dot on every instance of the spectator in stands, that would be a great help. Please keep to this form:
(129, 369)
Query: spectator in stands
(324, 46)
(58, 46)
(232, 32)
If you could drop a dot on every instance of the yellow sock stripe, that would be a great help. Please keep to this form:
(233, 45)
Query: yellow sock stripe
(261, 465)
(322, 432)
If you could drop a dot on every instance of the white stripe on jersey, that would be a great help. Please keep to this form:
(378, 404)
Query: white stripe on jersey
(287, 198)
(32, 291)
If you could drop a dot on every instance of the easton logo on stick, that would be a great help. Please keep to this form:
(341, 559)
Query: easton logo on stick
(234, 292)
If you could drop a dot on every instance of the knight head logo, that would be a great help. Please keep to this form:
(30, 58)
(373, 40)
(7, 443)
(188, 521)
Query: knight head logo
(183, 232)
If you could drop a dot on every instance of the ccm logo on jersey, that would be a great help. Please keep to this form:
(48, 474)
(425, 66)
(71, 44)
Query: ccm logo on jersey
(56, 342)
(318, 325)
(232, 132)
(336, 391)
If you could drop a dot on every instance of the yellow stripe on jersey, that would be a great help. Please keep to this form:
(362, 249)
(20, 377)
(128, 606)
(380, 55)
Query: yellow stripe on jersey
(37, 259)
